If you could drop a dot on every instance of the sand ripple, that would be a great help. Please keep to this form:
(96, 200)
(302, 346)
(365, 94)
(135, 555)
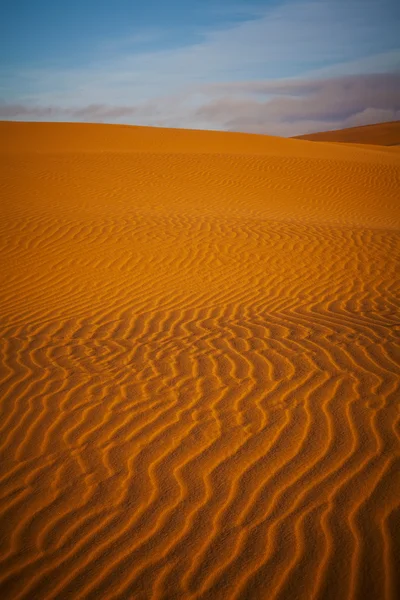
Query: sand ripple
(199, 390)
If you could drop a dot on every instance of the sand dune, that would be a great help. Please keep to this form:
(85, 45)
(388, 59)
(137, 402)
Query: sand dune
(200, 377)
(381, 134)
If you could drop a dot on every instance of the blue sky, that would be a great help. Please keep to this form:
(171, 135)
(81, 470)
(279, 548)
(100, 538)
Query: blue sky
(77, 29)
(220, 64)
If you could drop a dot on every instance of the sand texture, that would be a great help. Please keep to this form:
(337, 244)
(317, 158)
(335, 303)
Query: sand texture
(382, 134)
(199, 379)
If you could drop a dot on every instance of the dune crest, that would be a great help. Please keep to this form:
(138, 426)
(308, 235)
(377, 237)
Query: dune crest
(200, 382)
(381, 134)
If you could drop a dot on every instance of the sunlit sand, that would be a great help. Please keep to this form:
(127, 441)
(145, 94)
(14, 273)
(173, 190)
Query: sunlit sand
(200, 379)
(381, 134)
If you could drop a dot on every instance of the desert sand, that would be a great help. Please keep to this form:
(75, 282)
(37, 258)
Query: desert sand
(381, 134)
(200, 381)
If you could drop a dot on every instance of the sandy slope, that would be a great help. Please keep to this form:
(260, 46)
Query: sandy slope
(199, 384)
(381, 134)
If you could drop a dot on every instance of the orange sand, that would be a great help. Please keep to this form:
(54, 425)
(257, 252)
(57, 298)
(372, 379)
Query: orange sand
(383, 134)
(199, 386)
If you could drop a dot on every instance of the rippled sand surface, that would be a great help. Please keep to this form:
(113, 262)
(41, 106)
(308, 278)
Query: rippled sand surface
(199, 366)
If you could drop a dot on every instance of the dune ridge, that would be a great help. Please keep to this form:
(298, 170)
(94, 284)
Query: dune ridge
(380, 134)
(200, 375)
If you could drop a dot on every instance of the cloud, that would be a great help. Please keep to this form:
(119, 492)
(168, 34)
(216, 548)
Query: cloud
(19, 111)
(101, 111)
(304, 105)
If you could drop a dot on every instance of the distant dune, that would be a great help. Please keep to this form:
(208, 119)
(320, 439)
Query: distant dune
(382, 134)
(200, 383)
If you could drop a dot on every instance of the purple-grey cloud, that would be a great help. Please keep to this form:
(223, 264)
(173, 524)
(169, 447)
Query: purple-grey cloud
(102, 111)
(18, 111)
(293, 107)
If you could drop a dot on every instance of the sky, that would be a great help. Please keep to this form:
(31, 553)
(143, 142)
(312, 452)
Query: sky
(278, 67)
